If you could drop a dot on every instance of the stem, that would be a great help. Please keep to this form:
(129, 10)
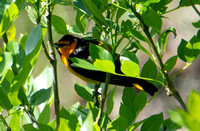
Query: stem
(194, 7)
(96, 95)
(5, 123)
(170, 88)
(29, 112)
(104, 95)
(53, 62)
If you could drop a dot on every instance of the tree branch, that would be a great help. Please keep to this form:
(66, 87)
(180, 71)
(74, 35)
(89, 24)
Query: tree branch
(194, 7)
(53, 62)
(170, 88)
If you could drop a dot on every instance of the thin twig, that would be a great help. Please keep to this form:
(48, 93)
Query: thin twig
(170, 87)
(194, 7)
(5, 123)
(29, 112)
(104, 95)
(53, 62)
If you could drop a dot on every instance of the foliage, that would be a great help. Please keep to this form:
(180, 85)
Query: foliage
(135, 21)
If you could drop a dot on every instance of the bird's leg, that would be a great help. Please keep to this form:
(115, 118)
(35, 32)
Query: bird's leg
(96, 95)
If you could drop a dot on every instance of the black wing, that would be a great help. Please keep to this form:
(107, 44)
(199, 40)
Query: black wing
(116, 79)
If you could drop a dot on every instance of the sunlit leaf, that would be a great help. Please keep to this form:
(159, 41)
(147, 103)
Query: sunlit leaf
(105, 65)
(9, 16)
(5, 62)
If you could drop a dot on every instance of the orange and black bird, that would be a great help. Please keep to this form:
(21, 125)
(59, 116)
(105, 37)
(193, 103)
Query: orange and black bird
(70, 46)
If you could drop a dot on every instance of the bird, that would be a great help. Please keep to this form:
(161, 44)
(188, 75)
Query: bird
(70, 46)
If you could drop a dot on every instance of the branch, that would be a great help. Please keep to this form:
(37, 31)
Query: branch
(53, 62)
(5, 123)
(194, 7)
(170, 88)
(104, 95)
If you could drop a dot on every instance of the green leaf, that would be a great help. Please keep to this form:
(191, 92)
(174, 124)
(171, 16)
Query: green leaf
(126, 27)
(81, 21)
(40, 96)
(142, 48)
(129, 56)
(152, 123)
(5, 62)
(64, 113)
(184, 119)
(79, 4)
(88, 123)
(32, 14)
(33, 39)
(162, 41)
(128, 30)
(84, 91)
(105, 65)
(64, 125)
(22, 97)
(83, 64)
(4, 101)
(59, 25)
(97, 14)
(188, 51)
(14, 123)
(18, 55)
(75, 30)
(151, 18)
(6, 81)
(139, 35)
(127, 113)
(22, 40)
(130, 68)
(44, 116)
(11, 32)
(8, 18)
(149, 70)
(110, 102)
(184, 3)
(149, 1)
(30, 127)
(45, 79)
(128, 97)
(28, 63)
(161, 6)
(170, 63)
(118, 124)
(193, 104)
(196, 24)
(169, 125)
(98, 52)
(140, 102)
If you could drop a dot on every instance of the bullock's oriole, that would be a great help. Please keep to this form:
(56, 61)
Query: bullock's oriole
(70, 46)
